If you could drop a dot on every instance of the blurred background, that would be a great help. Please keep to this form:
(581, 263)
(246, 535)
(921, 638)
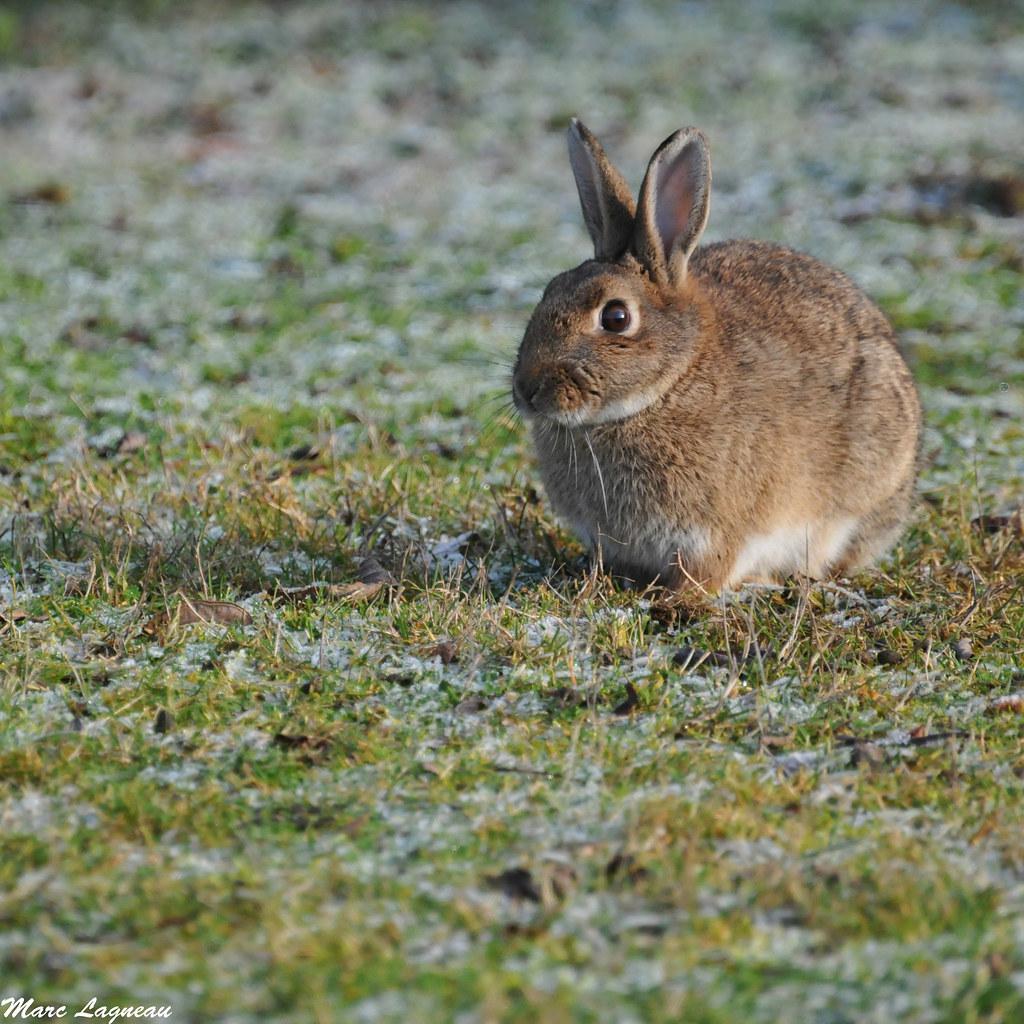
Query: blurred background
(263, 269)
(272, 217)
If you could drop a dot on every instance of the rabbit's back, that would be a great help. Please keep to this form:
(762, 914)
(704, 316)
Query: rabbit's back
(769, 291)
(804, 347)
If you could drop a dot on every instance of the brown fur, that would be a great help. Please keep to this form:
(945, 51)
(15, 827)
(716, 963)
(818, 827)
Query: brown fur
(765, 404)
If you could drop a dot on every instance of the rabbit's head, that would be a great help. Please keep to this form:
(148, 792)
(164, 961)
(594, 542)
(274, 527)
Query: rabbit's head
(610, 337)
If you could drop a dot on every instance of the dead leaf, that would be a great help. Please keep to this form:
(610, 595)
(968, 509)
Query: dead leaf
(920, 738)
(79, 709)
(12, 616)
(565, 697)
(310, 748)
(300, 741)
(516, 883)
(867, 755)
(691, 658)
(48, 192)
(630, 704)
(138, 335)
(524, 769)
(446, 651)
(671, 610)
(984, 829)
(220, 613)
(1013, 522)
(302, 461)
(371, 571)
(557, 880)
(1001, 194)
(299, 595)
(1008, 702)
(88, 86)
(471, 705)
(133, 441)
(963, 649)
(208, 119)
(997, 964)
(189, 611)
(776, 742)
(372, 578)
(624, 868)
(83, 334)
(164, 722)
(356, 592)
(124, 443)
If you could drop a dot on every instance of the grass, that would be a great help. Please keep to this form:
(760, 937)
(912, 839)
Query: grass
(261, 277)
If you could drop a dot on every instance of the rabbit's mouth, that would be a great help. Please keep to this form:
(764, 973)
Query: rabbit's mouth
(566, 394)
(570, 396)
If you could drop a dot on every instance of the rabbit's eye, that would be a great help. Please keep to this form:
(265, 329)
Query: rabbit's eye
(615, 316)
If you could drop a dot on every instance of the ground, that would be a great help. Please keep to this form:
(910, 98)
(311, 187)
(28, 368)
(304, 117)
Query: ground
(262, 274)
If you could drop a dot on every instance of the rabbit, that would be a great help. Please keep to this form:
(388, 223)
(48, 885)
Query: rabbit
(709, 416)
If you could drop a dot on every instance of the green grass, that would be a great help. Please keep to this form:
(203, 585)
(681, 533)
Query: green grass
(261, 331)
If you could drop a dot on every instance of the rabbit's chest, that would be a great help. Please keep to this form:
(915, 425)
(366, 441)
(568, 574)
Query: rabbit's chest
(616, 498)
(588, 480)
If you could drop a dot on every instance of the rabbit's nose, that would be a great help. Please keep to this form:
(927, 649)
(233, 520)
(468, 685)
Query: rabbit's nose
(525, 392)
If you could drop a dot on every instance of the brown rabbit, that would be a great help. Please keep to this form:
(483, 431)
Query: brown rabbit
(709, 416)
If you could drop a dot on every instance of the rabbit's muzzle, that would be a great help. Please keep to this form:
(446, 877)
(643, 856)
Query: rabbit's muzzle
(564, 391)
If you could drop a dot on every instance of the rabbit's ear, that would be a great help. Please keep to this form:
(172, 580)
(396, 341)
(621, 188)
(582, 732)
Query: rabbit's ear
(673, 206)
(604, 195)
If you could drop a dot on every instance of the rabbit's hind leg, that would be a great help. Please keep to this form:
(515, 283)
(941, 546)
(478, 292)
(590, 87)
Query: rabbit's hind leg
(875, 534)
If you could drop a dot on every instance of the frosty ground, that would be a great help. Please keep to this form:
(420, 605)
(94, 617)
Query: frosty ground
(262, 273)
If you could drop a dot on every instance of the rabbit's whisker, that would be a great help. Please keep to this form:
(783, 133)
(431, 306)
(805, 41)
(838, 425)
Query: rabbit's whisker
(504, 417)
(498, 396)
(600, 475)
(574, 458)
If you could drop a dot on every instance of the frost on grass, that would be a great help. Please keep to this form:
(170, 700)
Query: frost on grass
(262, 275)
